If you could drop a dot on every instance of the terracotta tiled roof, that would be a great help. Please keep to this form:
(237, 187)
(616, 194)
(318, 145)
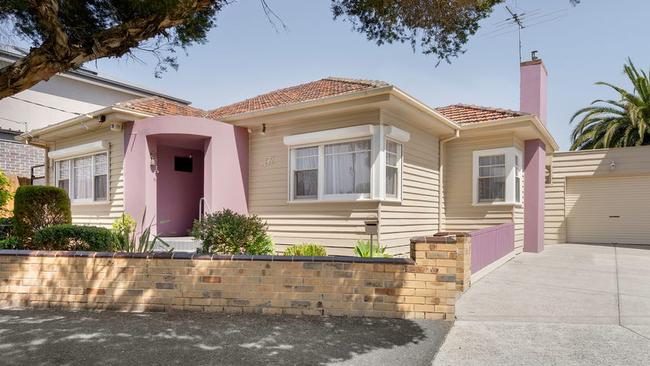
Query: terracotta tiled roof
(161, 106)
(295, 94)
(463, 113)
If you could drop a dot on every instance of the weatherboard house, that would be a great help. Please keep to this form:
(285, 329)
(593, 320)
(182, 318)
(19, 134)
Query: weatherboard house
(318, 159)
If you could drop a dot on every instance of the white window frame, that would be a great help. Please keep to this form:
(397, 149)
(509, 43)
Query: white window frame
(510, 190)
(400, 160)
(377, 134)
(71, 183)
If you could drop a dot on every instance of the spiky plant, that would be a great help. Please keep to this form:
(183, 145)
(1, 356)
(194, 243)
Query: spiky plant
(616, 123)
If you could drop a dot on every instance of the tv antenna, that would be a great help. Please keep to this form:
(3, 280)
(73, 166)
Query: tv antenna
(515, 18)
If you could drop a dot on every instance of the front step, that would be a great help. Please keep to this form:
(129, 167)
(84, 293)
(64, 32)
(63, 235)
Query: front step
(181, 243)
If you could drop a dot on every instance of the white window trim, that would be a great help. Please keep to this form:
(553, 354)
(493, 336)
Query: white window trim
(377, 135)
(510, 153)
(85, 201)
(79, 150)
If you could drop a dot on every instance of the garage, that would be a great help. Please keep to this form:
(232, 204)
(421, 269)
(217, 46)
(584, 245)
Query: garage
(612, 209)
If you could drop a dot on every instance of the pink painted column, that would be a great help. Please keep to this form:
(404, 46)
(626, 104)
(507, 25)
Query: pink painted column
(534, 178)
(532, 88)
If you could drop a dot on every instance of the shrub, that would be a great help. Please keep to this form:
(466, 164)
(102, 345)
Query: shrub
(36, 207)
(6, 227)
(11, 242)
(306, 250)
(227, 232)
(362, 249)
(74, 237)
(123, 228)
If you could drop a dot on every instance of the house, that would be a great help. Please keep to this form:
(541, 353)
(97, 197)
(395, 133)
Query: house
(316, 161)
(64, 96)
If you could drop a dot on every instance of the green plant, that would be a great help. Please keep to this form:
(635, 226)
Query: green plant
(74, 237)
(227, 232)
(6, 227)
(306, 250)
(616, 123)
(5, 192)
(127, 240)
(362, 249)
(36, 207)
(123, 228)
(11, 242)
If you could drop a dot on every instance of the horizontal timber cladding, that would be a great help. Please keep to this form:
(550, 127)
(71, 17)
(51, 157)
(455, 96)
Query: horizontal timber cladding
(99, 214)
(423, 287)
(339, 225)
(460, 213)
(629, 167)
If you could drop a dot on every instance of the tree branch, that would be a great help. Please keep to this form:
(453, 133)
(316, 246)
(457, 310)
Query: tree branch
(47, 60)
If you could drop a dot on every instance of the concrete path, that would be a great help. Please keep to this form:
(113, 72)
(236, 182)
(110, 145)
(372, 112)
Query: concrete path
(569, 305)
(48, 337)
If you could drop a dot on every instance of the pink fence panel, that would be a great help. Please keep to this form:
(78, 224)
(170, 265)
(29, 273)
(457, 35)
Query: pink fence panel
(490, 244)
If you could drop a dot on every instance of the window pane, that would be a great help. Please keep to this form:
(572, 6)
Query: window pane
(347, 168)
(517, 189)
(65, 185)
(492, 171)
(101, 186)
(391, 181)
(306, 158)
(492, 189)
(83, 182)
(492, 160)
(306, 184)
(63, 175)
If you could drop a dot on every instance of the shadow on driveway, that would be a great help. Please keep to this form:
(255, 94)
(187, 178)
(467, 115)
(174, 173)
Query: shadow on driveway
(49, 337)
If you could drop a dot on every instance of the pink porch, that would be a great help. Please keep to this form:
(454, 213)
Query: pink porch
(172, 162)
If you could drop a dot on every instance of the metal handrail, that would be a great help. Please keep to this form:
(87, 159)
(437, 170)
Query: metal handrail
(204, 208)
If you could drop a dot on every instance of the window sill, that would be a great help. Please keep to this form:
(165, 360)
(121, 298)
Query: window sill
(89, 203)
(342, 200)
(515, 204)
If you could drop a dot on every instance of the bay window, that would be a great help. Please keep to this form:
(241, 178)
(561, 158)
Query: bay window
(497, 176)
(84, 178)
(353, 163)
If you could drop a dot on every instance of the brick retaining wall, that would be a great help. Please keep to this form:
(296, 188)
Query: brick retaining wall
(421, 287)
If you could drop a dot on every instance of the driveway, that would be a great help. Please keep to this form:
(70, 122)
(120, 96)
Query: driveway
(108, 338)
(569, 305)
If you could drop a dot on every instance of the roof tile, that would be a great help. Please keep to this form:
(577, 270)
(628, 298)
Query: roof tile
(464, 113)
(314, 90)
(161, 106)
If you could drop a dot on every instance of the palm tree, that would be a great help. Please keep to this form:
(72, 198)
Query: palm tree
(616, 123)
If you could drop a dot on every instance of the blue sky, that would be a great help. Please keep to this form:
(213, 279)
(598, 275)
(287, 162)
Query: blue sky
(245, 56)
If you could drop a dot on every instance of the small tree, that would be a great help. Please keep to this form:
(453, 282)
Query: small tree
(5, 192)
(36, 207)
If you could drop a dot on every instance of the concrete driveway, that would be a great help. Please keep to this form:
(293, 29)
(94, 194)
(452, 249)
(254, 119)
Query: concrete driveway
(48, 337)
(569, 305)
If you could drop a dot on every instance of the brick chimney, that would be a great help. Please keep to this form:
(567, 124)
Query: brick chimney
(532, 87)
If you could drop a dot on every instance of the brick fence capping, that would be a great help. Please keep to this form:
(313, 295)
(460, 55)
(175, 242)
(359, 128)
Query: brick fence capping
(196, 256)
(424, 286)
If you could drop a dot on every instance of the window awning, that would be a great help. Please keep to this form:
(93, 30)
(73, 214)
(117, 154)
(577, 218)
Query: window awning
(78, 150)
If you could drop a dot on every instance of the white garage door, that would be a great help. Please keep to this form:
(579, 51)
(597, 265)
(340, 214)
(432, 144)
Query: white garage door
(608, 210)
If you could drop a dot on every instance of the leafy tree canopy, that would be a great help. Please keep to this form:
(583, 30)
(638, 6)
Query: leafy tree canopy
(67, 33)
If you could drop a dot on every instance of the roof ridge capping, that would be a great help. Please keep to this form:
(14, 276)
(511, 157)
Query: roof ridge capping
(374, 83)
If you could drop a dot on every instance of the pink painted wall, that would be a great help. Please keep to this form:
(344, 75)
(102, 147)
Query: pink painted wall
(491, 244)
(534, 180)
(178, 193)
(225, 170)
(532, 89)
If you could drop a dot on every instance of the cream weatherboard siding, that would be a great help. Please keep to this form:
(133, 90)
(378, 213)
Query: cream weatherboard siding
(335, 225)
(417, 214)
(460, 213)
(608, 209)
(99, 214)
(630, 166)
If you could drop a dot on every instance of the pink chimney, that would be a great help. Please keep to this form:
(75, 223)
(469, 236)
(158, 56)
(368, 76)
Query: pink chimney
(532, 87)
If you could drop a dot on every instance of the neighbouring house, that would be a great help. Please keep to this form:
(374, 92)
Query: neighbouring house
(64, 96)
(316, 161)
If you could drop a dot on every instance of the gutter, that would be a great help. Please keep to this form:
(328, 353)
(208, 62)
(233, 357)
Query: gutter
(441, 159)
(77, 120)
(511, 120)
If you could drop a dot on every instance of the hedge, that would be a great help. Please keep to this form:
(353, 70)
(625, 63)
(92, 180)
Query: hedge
(36, 207)
(74, 237)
